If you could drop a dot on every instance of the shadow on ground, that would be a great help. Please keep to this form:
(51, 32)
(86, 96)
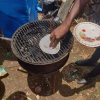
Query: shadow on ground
(2, 90)
(4, 51)
(17, 96)
(45, 81)
(82, 71)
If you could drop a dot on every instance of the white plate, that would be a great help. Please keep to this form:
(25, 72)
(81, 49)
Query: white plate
(44, 45)
(87, 33)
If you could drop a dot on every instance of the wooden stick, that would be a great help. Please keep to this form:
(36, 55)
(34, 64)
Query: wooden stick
(64, 9)
(4, 38)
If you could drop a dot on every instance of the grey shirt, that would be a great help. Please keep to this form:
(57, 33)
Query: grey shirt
(92, 12)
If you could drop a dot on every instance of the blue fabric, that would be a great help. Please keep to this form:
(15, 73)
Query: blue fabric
(15, 13)
(32, 4)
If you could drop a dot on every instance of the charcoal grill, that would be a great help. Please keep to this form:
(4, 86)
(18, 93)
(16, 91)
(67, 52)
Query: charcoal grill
(25, 45)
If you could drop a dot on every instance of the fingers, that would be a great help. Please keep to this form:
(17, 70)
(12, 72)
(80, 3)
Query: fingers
(51, 36)
(52, 41)
(55, 44)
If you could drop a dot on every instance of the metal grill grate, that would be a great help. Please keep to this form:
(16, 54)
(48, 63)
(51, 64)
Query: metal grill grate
(25, 42)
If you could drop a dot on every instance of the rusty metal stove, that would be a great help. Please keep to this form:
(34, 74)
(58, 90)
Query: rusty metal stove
(25, 46)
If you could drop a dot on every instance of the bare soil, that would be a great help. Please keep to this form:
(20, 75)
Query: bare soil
(20, 85)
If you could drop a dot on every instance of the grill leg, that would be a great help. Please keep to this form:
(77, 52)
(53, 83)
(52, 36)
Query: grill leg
(53, 82)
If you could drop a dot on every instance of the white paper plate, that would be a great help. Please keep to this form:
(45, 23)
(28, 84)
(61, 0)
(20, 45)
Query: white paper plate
(87, 33)
(44, 45)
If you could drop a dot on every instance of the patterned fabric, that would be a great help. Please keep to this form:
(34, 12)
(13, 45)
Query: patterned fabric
(92, 12)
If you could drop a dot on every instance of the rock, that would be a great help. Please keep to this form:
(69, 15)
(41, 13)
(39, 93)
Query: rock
(87, 94)
(37, 97)
(38, 89)
(57, 92)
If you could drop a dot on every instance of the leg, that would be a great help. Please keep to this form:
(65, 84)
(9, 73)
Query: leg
(95, 72)
(96, 55)
(53, 83)
(92, 61)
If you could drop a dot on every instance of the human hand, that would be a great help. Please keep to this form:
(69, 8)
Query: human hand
(57, 34)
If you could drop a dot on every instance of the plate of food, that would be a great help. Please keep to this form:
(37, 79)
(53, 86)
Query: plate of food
(44, 45)
(87, 33)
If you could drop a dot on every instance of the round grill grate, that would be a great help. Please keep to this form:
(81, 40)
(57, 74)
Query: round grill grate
(25, 42)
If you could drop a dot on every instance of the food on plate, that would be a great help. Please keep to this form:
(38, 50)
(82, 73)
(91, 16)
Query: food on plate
(85, 38)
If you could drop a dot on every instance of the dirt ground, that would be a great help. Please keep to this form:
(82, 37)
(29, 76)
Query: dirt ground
(19, 85)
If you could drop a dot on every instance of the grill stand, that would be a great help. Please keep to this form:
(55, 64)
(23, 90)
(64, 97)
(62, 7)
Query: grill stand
(54, 80)
(61, 63)
(25, 45)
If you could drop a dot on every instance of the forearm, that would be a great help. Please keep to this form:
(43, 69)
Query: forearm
(77, 7)
(63, 29)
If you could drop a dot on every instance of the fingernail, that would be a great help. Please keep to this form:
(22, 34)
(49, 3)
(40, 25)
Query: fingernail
(52, 47)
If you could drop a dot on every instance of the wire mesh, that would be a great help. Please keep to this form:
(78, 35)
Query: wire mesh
(25, 42)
